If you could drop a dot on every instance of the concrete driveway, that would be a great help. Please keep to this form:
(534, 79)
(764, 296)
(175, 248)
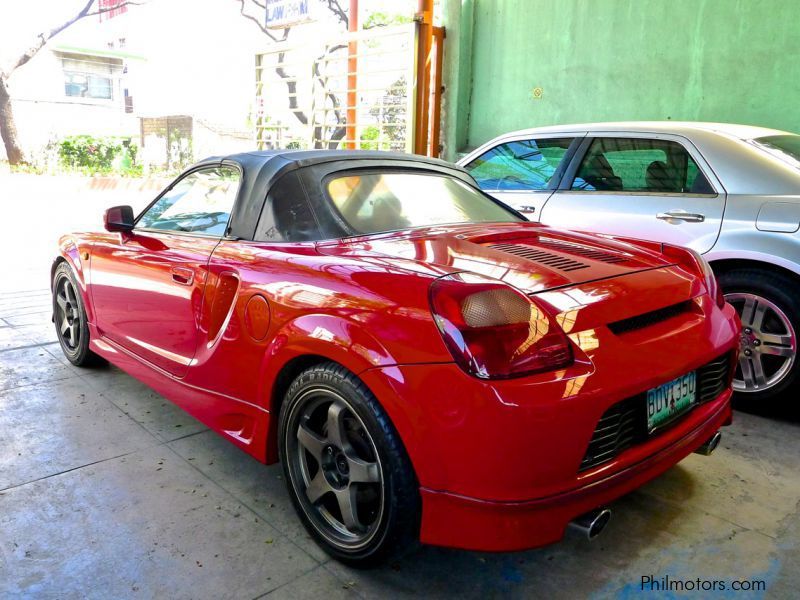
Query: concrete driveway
(108, 490)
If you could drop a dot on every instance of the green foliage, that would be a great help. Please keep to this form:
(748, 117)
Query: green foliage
(382, 19)
(391, 112)
(92, 156)
(369, 138)
(27, 168)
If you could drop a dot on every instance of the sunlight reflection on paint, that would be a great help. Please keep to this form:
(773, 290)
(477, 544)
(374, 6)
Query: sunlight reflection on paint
(586, 340)
(574, 386)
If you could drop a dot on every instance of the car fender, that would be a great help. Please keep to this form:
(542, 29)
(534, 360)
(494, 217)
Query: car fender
(76, 254)
(333, 337)
(780, 249)
(327, 336)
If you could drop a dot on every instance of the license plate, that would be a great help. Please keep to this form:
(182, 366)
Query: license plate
(669, 400)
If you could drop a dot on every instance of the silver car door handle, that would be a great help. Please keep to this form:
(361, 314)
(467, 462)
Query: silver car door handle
(679, 215)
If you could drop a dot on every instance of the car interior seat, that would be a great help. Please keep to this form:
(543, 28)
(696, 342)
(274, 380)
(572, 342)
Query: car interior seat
(659, 179)
(599, 174)
(387, 214)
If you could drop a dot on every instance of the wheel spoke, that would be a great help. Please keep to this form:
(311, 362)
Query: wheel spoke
(336, 430)
(310, 441)
(362, 471)
(776, 339)
(64, 326)
(317, 488)
(73, 333)
(70, 294)
(747, 372)
(785, 351)
(758, 316)
(748, 311)
(758, 371)
(62, 302)
(349, 508)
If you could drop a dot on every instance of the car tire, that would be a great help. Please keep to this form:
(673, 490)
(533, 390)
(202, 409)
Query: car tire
(346, 469)
(770, 313)
(69, 317)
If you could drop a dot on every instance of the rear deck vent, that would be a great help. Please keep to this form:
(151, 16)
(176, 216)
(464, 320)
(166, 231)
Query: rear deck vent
(650, 318)
(584, 251)
(540, 256)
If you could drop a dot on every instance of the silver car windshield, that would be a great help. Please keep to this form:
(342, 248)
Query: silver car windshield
(786, 147)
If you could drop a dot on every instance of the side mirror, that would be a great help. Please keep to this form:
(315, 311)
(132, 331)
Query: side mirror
(118, 218)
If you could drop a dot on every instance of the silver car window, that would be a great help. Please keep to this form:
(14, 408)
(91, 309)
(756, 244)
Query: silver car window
(639, 165)
(786, 147)
(519, 165)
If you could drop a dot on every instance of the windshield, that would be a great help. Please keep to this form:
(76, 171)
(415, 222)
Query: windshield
(786, 147)
(375, 202)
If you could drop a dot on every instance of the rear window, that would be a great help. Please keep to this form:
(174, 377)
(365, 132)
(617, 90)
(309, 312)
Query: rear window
(375, 202)
(785, 147)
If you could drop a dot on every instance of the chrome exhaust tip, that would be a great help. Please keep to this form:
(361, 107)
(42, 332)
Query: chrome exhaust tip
(592, 523)
(710, 445)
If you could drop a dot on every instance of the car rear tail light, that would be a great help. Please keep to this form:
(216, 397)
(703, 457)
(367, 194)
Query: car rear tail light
(696, 264)
(493, 330)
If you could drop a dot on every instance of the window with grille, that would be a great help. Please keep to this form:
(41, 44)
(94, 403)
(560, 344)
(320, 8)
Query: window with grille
(90, 76)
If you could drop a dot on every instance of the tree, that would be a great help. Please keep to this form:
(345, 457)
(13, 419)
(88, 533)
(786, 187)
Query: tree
(8, 128)
(247, 8)
(390, 111)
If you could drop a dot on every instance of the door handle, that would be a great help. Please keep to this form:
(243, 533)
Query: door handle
(527, 209)
(182, 275)
(680, 215)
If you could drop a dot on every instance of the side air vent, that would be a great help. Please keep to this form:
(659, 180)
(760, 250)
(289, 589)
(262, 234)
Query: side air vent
(584, 251)
(713, 378)
(650, 318)
(540, 256)
(617, 430)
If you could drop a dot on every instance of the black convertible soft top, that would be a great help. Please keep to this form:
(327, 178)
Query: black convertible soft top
(260, 170)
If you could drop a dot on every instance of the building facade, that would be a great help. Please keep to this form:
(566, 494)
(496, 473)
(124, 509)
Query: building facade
(512, 64)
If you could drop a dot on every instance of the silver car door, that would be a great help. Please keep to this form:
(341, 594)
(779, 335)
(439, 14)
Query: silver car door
(522, 171)
(649, 186)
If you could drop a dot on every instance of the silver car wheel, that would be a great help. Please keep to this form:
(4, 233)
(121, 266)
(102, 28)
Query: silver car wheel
(335, 469)
(768, 344)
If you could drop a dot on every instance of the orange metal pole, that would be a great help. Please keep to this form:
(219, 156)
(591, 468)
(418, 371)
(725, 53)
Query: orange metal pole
(424, 19)
(352, 77)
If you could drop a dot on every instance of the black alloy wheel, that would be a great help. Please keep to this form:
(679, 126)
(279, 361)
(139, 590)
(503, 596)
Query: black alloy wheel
(69, 317)
(346, 469)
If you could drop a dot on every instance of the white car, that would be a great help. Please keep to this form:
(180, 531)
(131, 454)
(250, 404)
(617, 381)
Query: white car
(730, 192)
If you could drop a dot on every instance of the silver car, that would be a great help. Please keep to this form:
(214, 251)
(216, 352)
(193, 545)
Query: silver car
(730, 192)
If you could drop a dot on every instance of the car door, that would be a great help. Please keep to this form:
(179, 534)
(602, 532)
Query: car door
(646, 186)
(147, 285)
(522, 172)
(247, 282)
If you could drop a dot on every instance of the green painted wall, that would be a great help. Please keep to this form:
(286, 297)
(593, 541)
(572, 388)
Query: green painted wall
(714, 60)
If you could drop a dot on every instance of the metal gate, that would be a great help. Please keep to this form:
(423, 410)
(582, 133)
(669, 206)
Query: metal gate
(358, 90)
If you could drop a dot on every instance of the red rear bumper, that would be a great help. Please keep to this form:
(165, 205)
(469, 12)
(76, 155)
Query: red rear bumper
(459, 521)
(499, 462)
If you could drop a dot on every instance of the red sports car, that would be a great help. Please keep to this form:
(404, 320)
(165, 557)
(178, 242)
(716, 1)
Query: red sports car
(426, 364)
